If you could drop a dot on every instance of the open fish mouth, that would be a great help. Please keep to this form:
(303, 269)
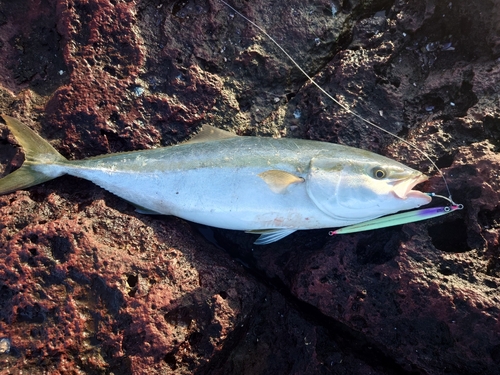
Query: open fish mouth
(403, 188)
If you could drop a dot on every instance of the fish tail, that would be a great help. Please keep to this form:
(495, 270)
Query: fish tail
(37, 152)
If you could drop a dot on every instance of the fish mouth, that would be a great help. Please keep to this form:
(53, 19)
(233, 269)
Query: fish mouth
(403, 188)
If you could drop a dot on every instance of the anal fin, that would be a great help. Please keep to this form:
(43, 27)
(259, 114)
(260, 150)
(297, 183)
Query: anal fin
(144, 210)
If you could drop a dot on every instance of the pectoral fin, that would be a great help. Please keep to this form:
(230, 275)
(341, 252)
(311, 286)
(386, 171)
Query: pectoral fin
(278, 181)
(268, 236)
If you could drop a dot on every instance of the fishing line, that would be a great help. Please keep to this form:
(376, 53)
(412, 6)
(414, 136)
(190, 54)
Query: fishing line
(341, 105)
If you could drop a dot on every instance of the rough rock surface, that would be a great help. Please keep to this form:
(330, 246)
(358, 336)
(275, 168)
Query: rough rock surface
(89, 286)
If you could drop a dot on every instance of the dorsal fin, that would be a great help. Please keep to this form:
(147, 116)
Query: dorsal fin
(209, 133)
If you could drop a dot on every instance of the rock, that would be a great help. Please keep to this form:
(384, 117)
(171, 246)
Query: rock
(87, 285)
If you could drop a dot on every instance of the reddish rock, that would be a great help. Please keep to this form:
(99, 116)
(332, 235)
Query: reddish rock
(89, 286)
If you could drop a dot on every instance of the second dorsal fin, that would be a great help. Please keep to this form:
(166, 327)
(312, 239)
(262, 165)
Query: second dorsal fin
(208, 134)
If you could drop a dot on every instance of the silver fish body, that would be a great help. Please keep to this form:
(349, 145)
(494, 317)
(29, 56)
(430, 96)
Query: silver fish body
(269, 186)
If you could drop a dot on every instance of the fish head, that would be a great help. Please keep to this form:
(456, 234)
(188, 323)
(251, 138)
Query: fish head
(360, 186)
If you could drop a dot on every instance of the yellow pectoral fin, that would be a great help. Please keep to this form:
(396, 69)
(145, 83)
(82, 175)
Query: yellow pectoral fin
(278, 181)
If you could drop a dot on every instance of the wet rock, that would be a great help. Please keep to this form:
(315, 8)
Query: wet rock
(88, 285)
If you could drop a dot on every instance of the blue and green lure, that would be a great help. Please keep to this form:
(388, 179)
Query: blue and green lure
(399, 219)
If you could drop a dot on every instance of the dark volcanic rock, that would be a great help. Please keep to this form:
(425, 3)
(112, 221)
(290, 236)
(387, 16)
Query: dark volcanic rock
(89, 286)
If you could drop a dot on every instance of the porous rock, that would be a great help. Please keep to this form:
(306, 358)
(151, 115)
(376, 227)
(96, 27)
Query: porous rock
(89, 286)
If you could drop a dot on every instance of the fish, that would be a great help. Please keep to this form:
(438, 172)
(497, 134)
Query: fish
(267, 186)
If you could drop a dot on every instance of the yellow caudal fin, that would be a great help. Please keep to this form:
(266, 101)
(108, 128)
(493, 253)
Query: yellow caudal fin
(37, 151)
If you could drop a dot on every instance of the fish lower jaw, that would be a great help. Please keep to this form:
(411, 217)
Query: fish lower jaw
(418, 195)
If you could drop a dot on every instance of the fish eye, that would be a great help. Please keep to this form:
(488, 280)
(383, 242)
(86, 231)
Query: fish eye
(378, 173)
